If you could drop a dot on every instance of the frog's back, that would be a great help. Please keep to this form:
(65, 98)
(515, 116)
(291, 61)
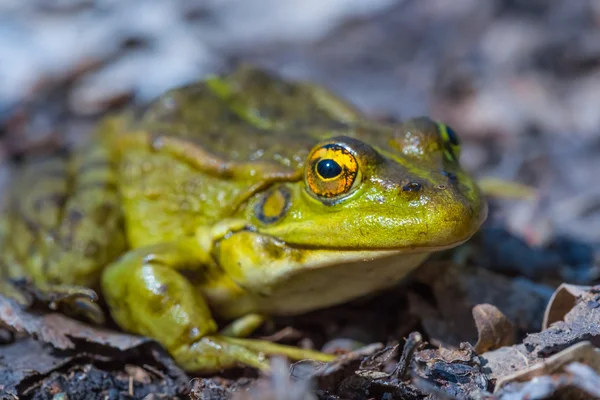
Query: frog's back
(250, 116)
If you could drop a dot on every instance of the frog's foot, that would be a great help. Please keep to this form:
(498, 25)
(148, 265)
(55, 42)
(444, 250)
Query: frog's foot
(215, 352)
(76, 301)
(85, 308)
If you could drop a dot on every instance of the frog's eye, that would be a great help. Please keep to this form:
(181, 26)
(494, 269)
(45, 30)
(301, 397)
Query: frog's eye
(451, 142)
(331, 171)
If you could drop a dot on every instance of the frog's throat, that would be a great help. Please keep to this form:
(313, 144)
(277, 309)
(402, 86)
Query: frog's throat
(298, 281)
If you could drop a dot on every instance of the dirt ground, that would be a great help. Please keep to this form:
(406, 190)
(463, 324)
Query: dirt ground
(518, 79)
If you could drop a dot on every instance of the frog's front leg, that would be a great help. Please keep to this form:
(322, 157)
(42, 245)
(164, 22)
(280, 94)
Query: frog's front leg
(147, 294)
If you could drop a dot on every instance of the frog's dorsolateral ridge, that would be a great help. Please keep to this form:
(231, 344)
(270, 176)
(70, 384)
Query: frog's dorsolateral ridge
(239, 196)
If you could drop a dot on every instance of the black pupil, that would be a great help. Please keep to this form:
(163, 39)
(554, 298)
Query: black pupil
(452, 136)
(328, 168)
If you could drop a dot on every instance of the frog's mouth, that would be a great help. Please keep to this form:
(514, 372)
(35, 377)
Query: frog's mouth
(378, 252)
(427, 227)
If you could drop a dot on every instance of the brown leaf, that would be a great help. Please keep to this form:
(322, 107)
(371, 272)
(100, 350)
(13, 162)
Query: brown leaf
(581, 323)
(27, 363)
(25, 360)
(494, 330)
(562, 301)
(59, 330)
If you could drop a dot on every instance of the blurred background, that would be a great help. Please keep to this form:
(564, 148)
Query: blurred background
(518, 79)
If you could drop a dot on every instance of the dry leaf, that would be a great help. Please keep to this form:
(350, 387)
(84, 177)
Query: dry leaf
(494, 330)
(26, 363)
(579, 324)
(562, 301)
(59, 330)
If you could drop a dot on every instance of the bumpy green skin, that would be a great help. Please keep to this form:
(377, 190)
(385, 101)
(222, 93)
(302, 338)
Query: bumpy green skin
(162, 214)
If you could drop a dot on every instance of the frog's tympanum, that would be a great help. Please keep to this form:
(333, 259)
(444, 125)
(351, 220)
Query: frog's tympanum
(235, 198)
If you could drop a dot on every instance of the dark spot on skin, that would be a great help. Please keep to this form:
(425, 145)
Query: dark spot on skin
(441, 187)
(92, 249)
(275, 252)
(74, 216)
(104, 212)
(412, 187)
(53, 199)
(450, 175)
(159, 304)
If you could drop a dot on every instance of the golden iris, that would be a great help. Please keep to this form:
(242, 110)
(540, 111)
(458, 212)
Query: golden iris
(331, 171)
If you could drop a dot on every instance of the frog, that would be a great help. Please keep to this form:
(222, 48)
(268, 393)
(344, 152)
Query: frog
(235, 198)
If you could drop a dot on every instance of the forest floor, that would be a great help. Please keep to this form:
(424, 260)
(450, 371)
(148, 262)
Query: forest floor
(512, 314)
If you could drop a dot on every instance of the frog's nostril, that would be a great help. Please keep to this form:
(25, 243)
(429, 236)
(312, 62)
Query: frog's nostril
(412, 187)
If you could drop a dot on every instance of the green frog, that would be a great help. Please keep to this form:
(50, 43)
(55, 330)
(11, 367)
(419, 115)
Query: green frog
(234, 198)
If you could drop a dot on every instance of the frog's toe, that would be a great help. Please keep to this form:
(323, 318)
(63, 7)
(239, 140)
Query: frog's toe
(76, 301)
(270, 348)
(57, 294)
(216, 352)
(84, 308)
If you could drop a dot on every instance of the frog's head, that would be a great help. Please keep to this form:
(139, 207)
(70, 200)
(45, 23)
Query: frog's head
(370, 191)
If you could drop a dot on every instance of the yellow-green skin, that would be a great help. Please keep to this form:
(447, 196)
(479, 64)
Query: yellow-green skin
(164, 214)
